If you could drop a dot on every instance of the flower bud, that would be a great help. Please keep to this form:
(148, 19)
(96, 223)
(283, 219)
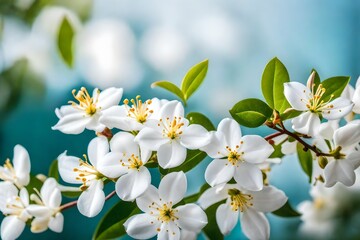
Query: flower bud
(322, 161)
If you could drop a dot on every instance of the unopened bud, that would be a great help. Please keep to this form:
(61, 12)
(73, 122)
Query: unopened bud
(322, 161)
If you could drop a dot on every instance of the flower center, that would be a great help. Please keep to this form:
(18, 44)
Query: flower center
(234, 156)
(139, 110)
(319, 203)
(167, 214)
(239, 200)
(85, 103)
(9, 173)
(86, 173)
(315, 104)
(133, 162)
(172, 128)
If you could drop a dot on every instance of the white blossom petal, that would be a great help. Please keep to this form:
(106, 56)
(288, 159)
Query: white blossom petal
(7, 190)
(171, 155)
(195, 136)
(354, 159)
(191, 217)
(66, 165)
(132, 185)
(356, 99)
(56, 223)
(110, 165)
(212, 196)
(73, 123)
(109, 97)
(92, 200)
(347, 135)
(116, 117)
(150, 138)
(340, 107)
(288, 148)
(172, 109)
(50, 193)
(249, 176)
(255, 225)
(123, 142)
(226, 218)
(187, 235)
(11, 228)
(219, 171)
(339, 171)
(327, 129)
(255, 149)
(169, 231)
(217, 145)
(268, 199)
(141, 226)
(150, 196)
(39, 224)
(297, 95)
(38, 211)
(97, 149)
(173, 187)
(307, 123)
(231, 130)
(21, 161)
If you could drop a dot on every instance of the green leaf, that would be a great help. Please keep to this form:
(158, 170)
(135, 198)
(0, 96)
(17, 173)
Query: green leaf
(334, 86)
(193, 158)
(193, 78)
(71, 194)
(251, 112)
(65, 41)
(111, 225)
(171, 88)
(34, 183)
(289, 114)
(194, 197)
(305, 159)
(277, 151)
(54, 170)
(286, 211)
(316, 78)
(199, 118)
(272, 85)
(212, 230)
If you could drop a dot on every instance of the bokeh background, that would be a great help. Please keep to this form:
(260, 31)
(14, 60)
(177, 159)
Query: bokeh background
(130, 44)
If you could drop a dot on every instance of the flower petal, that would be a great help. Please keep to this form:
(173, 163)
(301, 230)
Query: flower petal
(66, 165)
(123, 142)
(217, 145)
(212, 196)
(249, 176)
(219, 171)
(195, 136)
(255, 149)
(255, 225)
(340, 107)
(50, 193)
(110, 165)
(74, 123)
(116, 117)
(347, 135)
(141, 226)
(297, 95)
(22, 166)
(150, 138)
(226, 218)
(268, 199)
(39, 224)
(92, 200)
(132, 185)
(11, 228)
(169, 231)
(307, 123)
(171, 155)
(172, 109)
(7, 190)
(150, 196)
(231, 130)
(354, 159)
(173, 187)
(97, 149)
(39, 211)
(356, 99)
(339, 171)
(187, 235)
(109, 97)
(191, 217)
(56, 223)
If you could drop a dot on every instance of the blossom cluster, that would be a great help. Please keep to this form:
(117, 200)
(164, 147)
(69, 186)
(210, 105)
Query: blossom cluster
(133, 136)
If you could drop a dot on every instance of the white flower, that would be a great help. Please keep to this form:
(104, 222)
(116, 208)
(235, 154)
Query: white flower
(353, 95)
(250, 205)
(13, 207)
(236, 156)
(160, 217)
(171, 135)
(74, 118)
(19, 174)
(134, 117)
(126, 162)
(346, 156)
(309, 101)
(88, 173)
(47, 208)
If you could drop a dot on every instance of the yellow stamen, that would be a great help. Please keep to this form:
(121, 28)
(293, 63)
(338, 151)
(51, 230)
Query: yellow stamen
(139, 110)
(85, 103)
(239, 201)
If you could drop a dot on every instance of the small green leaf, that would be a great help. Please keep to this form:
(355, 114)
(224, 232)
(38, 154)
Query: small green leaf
(272, 85)
(199, 118)
(69, 194)
(193, 158)
(277, 151)
(317, 77)
(34, 183)
(111, 225)
(305, 159)
(289, 114)
(334, 86)
(54, 170)
(212, 230)
(193, 78)
(171, 88)
(286, 211)
(251, 112)
(65, 41)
